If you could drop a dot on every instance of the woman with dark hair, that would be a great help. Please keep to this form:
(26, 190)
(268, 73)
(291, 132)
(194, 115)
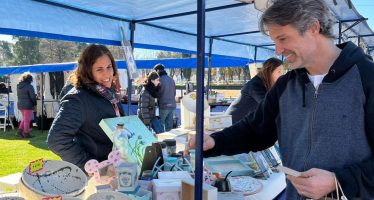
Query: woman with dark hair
(26, 101)
(254, 90)
(148, 94)
(75, 134)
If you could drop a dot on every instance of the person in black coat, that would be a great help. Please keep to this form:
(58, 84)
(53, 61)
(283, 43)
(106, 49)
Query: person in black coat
(254, 90)
(3, 88)
(75, 134)
(26, 101)
(148, 95)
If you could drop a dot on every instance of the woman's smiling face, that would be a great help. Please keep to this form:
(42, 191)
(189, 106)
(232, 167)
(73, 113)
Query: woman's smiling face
(102, 71)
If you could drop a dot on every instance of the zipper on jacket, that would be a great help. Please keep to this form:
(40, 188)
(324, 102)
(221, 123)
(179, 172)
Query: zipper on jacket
(316, 93)
(311, 125)
(310, 134)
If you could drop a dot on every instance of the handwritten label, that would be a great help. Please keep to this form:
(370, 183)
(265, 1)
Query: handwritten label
(36, 165)
(53, 198)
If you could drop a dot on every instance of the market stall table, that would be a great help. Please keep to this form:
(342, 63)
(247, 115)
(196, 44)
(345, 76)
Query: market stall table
(272, 186)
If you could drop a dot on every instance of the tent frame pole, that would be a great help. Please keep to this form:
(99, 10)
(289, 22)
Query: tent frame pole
(42, 98)
(209, 67)
(129, 79)
(200, 99)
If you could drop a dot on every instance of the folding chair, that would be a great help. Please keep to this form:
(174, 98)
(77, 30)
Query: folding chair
(4, 102)
(3, 117)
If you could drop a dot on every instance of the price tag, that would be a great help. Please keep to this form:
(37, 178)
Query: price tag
(288, 171)
(59, 197)
(36, 165)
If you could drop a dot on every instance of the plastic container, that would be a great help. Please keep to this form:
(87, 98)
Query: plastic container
(179, 158)
(166, 189)
(170, 162)
(171, 146)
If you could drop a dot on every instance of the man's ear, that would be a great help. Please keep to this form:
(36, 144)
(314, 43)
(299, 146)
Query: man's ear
(315, 27)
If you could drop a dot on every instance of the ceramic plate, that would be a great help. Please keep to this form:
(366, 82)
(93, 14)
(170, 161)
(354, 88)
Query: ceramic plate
(245, 184)
(56, 178)
(109, 195)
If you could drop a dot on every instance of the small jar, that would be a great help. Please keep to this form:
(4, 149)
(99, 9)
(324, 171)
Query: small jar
(163, 149)
(179, 158)
(172, 161)
(171, 146)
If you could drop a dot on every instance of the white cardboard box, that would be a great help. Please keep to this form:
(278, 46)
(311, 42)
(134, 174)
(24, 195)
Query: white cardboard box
(217, 122)
(181, 175)
(166, 189)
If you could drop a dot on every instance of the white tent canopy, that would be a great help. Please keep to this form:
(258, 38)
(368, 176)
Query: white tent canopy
(159, 24)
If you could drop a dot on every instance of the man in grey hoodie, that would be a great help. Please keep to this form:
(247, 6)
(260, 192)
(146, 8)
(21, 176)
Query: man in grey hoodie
(321, 112)
(166, 97)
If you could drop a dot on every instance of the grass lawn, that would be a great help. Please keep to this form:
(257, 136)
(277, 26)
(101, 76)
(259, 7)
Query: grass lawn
(15, 153)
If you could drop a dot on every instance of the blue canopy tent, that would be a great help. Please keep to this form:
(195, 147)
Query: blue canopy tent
(224, 28)
(181, 63)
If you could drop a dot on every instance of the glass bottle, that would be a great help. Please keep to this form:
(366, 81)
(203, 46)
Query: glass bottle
(121, 142)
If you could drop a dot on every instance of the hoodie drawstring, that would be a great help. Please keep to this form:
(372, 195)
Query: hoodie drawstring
(303, 95)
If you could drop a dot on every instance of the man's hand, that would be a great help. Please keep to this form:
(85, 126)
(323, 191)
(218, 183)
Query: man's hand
(314, 183)
(207, 144)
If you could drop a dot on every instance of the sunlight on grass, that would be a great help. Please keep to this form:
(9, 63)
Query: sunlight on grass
(15, 153)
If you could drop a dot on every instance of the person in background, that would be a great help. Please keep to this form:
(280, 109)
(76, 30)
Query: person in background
(254, 90)
(148, 95)
(26, 102)
(67, 87)
(321, 112)
(3, 88)
(166, 97)
(75, 134)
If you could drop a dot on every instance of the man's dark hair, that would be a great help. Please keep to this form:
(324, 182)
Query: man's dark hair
(300, 14)
(159, 67)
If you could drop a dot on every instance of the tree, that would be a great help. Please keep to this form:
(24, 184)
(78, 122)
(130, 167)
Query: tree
(26, 51)
(55, 51)
(238, 72)
(6, 54)
(117, 52)
(222, 72)
(187, 74)
(173, 71)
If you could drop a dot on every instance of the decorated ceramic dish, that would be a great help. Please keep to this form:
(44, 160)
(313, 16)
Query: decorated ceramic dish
(245, 184)
(56, 178)
(109, 195)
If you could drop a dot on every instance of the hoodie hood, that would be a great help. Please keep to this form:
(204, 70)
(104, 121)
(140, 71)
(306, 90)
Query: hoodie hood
(22, 84)
(348, 57)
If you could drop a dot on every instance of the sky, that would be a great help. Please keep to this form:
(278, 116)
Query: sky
(364, 7)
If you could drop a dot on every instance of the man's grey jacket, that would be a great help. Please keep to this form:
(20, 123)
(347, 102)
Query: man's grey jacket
(331, 128)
